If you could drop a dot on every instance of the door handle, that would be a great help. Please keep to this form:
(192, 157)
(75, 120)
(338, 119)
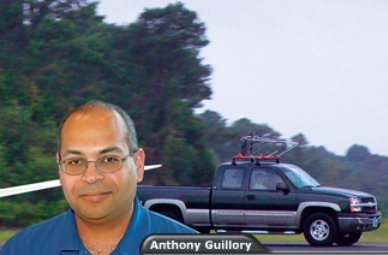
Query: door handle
(251, 197)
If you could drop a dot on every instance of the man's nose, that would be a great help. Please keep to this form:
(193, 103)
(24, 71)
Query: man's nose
(92, 174)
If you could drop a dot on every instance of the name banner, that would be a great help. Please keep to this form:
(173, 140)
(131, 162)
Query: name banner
(202, 244)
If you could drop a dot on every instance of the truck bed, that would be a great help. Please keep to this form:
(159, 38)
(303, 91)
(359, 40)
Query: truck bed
(194, 196)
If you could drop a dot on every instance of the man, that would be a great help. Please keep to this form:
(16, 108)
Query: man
(260, 179)
(99, 166)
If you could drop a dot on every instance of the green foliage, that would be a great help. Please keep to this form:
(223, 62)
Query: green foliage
(151, 68)
(25, 214)
(35, 11)
(11, 23)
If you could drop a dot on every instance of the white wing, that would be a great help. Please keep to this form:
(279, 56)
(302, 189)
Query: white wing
(43, 185)
(150, 167)
(28, 188)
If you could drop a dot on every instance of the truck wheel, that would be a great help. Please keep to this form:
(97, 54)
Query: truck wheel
(347, 239)
(319, 229)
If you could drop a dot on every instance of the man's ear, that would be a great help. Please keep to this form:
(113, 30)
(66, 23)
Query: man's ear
(139, 159)
(58, 158)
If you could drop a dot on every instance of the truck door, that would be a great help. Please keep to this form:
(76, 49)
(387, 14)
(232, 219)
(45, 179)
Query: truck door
(228, 198)
(266, 207)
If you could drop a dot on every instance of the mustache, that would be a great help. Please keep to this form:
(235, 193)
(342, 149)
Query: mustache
(94, 189)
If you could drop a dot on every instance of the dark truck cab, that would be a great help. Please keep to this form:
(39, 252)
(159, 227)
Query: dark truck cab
(291, 202)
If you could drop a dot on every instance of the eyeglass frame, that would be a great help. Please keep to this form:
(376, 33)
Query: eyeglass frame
(62, 163)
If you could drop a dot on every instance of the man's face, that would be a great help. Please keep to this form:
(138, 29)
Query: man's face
(93, 195)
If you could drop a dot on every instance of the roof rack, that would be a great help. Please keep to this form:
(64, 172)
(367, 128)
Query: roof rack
(258, 148)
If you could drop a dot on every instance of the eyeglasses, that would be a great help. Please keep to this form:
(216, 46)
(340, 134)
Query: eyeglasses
(105, 164)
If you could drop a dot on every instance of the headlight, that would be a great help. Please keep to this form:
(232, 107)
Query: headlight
(354, 204)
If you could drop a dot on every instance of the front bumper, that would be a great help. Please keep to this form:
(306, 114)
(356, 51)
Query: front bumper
(359, 222)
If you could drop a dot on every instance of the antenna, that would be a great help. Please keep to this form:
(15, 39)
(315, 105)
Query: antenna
(263, 148)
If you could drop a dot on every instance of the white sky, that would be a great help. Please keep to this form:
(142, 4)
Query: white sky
(316, 67)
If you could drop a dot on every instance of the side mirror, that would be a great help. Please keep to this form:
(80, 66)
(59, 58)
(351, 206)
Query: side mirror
(282, 186)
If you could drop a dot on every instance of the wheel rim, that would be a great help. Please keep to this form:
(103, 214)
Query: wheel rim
(319, 230)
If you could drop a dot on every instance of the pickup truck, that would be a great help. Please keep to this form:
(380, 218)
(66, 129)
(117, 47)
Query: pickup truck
(288, 200)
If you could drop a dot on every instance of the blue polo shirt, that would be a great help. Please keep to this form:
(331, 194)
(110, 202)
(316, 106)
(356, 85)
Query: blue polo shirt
(59, 235)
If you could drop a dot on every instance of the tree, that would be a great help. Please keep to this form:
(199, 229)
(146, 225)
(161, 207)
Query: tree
(11, 21)
(246, 127)
(358, 153)
(160, 72)
(35, 11)
(166, 44)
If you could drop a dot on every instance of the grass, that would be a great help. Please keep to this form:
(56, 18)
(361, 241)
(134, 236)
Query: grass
(6, 234)
(377, 236)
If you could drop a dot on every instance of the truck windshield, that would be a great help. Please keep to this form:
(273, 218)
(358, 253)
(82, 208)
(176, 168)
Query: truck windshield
(299, 177)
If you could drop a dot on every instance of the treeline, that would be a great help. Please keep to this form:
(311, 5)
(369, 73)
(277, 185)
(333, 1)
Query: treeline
(56, 55)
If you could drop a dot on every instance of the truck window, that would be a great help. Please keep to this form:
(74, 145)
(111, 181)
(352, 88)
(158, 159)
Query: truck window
(299, 177)
(232, 178)
(262, 179)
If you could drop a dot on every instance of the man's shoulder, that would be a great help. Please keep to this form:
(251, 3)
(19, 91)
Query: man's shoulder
(37, 235)
(162, 224)
(44, 226)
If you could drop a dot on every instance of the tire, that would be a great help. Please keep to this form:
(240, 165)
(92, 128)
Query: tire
(347, 239)
(320, 229)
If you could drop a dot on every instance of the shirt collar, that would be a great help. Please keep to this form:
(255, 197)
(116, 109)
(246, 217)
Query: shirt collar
(70, 240)
(139, 228)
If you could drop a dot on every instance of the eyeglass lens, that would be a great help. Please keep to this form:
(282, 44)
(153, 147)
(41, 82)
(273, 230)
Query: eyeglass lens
(107, 164)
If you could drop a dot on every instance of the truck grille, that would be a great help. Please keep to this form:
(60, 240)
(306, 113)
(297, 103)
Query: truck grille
(369, 209)
(368, 200)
